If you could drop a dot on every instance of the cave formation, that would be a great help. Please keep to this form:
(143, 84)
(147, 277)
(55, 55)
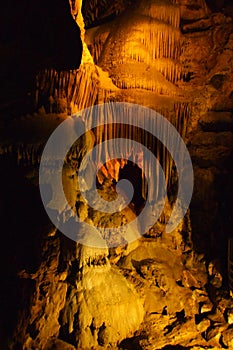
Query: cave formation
(162, 290)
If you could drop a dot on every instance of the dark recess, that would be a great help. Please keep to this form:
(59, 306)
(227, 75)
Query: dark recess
(34, 35)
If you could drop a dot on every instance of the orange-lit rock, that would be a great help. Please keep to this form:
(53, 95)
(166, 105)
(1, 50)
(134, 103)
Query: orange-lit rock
(163, 289)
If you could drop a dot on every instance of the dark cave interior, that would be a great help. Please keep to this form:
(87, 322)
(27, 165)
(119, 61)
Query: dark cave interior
(43, 35)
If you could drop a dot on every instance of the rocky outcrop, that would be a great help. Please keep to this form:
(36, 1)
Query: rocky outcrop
(81, 296)
(211, 137)
(164, 289)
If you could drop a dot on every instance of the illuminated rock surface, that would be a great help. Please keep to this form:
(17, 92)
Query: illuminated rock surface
(163, 290)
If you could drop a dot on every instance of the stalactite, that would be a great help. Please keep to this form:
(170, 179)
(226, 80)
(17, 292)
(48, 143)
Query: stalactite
(179, 118)
(151, 81)
(78, 88)
(148, 59)
(160, 39)
(24, 154)
(171, 69)
(97, 45)
(151, 40)
(164, 11)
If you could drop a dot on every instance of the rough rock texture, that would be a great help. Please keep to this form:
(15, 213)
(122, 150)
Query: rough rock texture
(164, 289)
(211, 135)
